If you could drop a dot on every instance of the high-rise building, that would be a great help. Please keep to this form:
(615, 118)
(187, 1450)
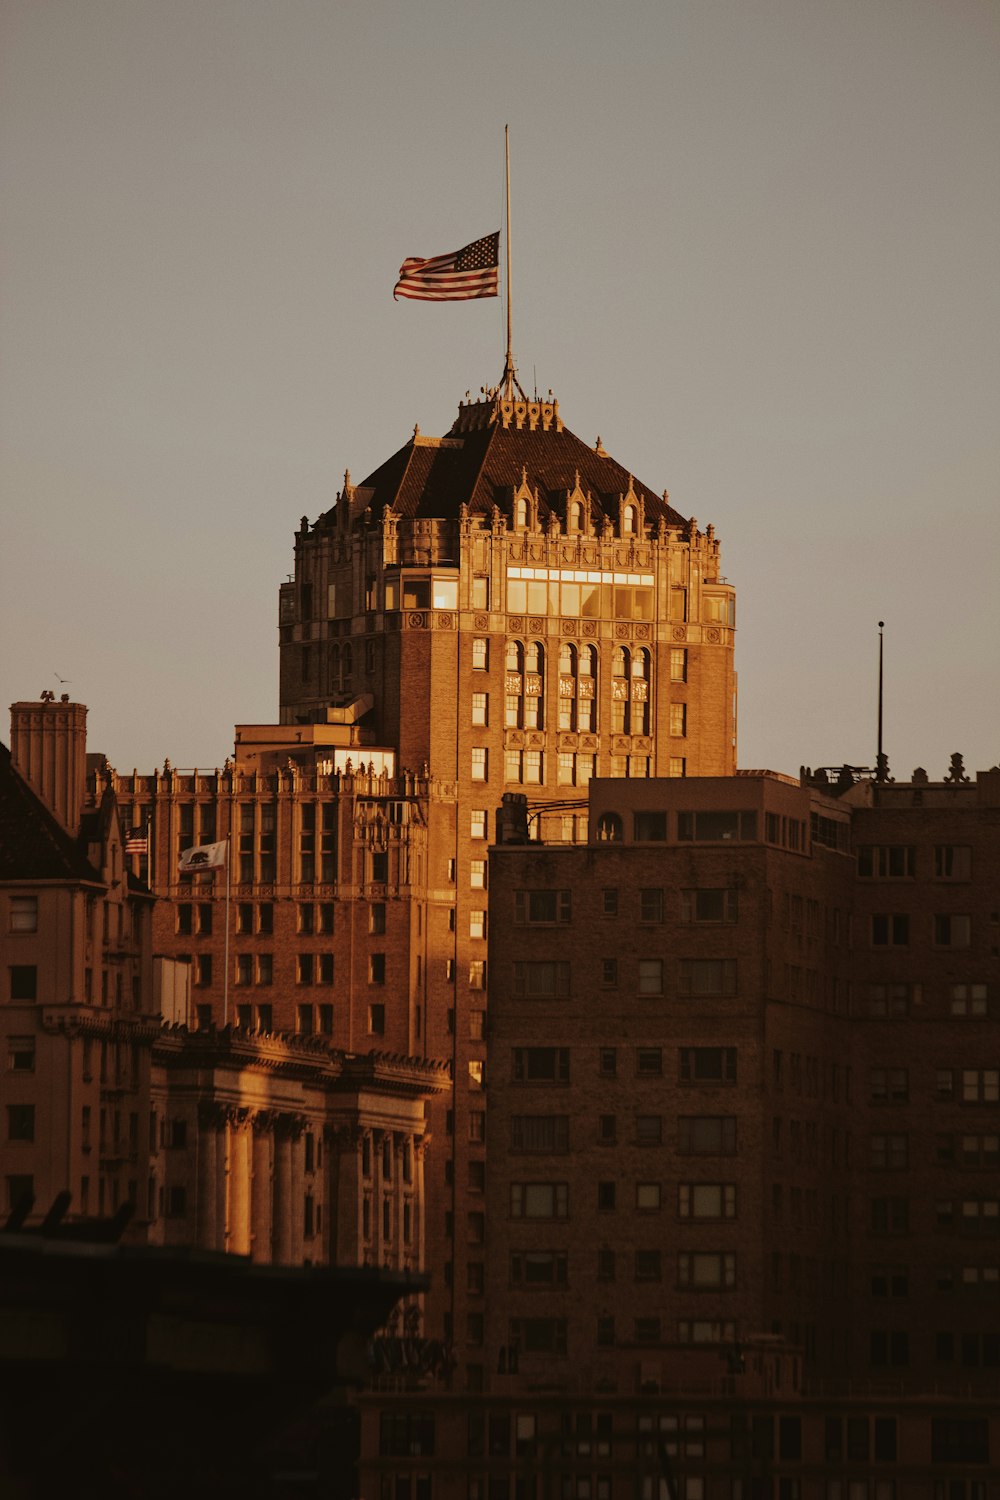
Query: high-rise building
(506, 607)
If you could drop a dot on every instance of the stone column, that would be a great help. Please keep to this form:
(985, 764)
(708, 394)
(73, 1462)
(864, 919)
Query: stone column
(297, 1205)
(239, 1183)
(222, 1182)
(207, 1221)
(420, 1149)
(282, 1225)
(262, 1248)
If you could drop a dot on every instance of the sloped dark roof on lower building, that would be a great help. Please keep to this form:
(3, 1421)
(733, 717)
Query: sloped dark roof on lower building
(33, 844)
(479, 466)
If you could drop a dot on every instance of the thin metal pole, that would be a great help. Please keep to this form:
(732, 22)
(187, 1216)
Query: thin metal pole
(508, 369)
(880, 765)
(225, 990)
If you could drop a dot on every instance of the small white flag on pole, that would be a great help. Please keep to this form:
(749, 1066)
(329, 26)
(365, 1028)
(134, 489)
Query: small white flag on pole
(202, 857)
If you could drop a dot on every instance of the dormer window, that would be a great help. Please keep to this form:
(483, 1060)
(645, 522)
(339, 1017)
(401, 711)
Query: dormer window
(576, 515)
(628, 520)
(521, 514)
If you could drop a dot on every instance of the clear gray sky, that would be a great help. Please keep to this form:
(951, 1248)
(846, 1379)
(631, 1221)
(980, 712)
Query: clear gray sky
(757, 249)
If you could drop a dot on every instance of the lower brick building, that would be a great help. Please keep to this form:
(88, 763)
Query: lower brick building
(273, 1141)
(741, 1224)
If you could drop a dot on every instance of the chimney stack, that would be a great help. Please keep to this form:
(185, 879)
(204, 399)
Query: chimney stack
(48, 743)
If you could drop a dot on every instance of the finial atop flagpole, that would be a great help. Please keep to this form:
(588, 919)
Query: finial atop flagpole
(509, 380)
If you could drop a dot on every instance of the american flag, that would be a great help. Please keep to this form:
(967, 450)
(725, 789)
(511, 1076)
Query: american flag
(469, 272)
(137, 839)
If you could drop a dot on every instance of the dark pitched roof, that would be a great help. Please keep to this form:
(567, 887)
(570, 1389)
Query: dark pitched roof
(33, 844)
(480, 467)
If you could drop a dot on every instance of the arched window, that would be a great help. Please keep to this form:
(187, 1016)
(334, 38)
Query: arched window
(640, 692)
(575, 515)
(534, 686)
(520, 514)
(567, 687)
(620, 691)
(586, 710)
(513, 684)
(609, 828)
(628, 520)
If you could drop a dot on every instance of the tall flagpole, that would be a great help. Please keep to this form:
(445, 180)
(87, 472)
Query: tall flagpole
(509, 379)
(508, 370)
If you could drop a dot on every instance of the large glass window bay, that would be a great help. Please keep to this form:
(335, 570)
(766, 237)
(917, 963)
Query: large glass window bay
(587, 593)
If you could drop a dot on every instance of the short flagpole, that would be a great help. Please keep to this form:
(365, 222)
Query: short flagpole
(225, 990)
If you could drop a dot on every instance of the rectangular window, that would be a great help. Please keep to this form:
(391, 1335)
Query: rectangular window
(540, 1065)
(480, 771)
(890, 930)
(21, 1054)
(477, 924)
(651, 904)
(24, 914)
(539, 1200)
(265, 968)
(889, 1085)
(477, 875)
(678, 720)
(305, 1020)
(969, 1000)
(886, 861)
(706, 1269)
(648, 1130)
(539, 1133)
(376, 918)
(376, 1020)
(707, 1064)
(477, 823)
(480, 710)
(650, 976)
(678, 664)
(706, 1135)
(540, 979)
(543, 908)
(376, 968)
(952, 861)
(706, 1200)
(477, 975)
(890, 1000)
(647, 1196)
(707, 976)
(538, 1268)
(20, 1122)
(649, 1062)
(649, 827)
(717, 827)
(304, 969)
(718, 904)
(480, 654)
(951, 931)
(23, 981)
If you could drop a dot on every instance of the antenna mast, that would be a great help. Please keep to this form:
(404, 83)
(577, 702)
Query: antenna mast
(881, 761)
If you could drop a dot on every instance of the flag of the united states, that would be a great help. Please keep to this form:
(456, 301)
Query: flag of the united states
(469, 272)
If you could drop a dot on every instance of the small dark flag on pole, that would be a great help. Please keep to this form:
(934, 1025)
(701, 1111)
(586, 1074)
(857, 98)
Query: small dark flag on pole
(470, 272)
